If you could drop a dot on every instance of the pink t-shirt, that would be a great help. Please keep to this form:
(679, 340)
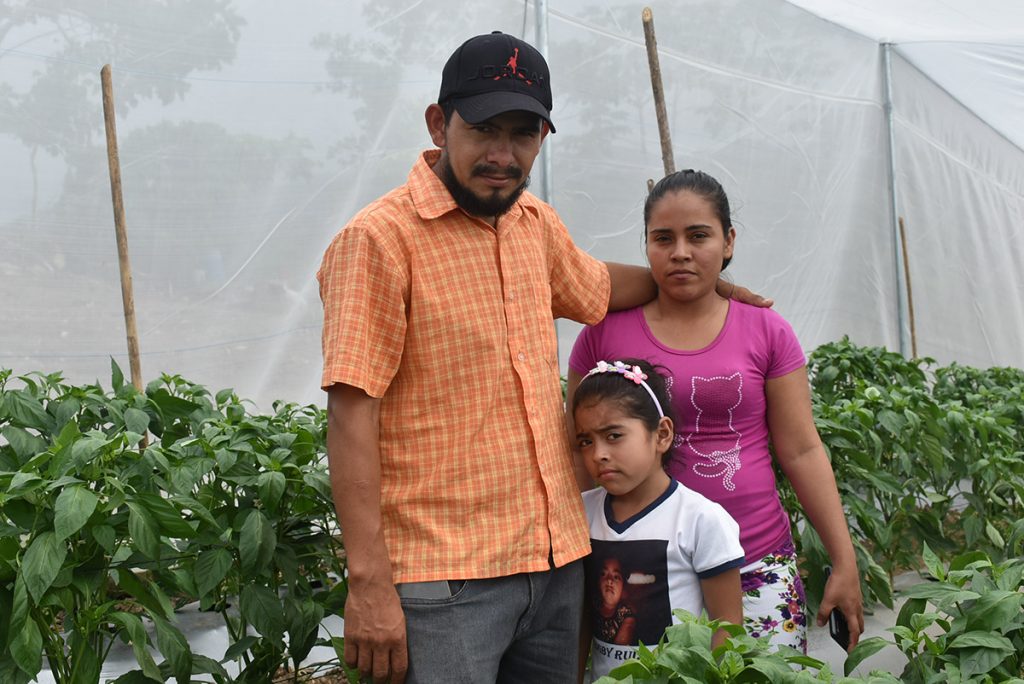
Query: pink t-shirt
(721, 443)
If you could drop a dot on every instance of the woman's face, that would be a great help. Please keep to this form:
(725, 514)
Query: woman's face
(611, 582)
(686, 245)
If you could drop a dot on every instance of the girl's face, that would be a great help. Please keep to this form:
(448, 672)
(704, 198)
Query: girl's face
(620, 453)
(611, 582)
(686, 245)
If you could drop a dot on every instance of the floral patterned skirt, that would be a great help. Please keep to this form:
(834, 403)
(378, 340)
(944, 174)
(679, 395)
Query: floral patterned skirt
(773, 599)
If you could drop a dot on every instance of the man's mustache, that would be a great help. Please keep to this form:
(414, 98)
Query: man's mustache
(511, 171)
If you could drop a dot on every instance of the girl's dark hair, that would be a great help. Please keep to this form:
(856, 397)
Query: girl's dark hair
(700, 184)
(632, 398)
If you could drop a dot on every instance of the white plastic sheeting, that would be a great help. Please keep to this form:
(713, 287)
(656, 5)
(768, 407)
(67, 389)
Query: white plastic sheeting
(250, 132)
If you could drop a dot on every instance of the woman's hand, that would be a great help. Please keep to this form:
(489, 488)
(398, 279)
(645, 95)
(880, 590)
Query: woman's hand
(842, 591)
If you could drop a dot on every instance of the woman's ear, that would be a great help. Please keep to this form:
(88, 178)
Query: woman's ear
(436, 125)
(730, 243)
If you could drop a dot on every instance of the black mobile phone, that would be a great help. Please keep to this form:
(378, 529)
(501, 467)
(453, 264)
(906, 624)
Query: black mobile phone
(837, 627)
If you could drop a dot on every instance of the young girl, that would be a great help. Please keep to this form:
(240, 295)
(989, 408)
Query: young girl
(738, 376)
(657, 545)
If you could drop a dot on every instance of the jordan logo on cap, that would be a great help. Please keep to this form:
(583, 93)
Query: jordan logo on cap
(509, 70)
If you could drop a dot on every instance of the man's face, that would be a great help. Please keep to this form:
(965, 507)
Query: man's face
(486, 166)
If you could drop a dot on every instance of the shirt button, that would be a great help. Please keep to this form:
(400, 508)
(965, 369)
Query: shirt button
(522, 356)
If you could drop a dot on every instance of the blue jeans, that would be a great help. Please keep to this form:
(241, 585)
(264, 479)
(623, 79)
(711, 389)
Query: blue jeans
(522, 628)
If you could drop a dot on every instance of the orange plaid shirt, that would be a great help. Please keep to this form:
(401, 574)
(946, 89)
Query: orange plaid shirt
(449, 322)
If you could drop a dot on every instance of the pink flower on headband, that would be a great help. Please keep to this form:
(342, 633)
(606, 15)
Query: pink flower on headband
(633, 373)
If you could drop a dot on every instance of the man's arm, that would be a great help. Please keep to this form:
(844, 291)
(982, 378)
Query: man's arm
(374, 622)
(633, 286)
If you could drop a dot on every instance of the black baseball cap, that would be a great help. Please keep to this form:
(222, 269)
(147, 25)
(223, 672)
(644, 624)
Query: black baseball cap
(493, 74)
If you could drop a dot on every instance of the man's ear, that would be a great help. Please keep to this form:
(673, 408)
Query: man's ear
(434, 117)
(545, 128)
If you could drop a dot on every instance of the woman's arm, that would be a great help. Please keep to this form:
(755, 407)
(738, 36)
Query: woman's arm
(802, 457)
(724, 600)
(583, 479)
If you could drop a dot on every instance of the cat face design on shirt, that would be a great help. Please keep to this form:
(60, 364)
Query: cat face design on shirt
(714, 439)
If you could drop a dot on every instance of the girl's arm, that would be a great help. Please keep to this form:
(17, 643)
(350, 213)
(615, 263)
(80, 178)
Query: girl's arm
(802, 457)
(583, 479)
(627, 630)
(724, 601)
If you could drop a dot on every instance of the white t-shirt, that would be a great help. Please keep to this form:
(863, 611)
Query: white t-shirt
(649, 565)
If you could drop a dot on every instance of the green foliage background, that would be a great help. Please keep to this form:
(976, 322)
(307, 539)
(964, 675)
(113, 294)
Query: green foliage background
(118, 507)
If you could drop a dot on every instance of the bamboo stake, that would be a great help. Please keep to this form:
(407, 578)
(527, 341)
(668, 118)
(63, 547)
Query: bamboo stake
(114, 163)
(659, 92)
(910, 292)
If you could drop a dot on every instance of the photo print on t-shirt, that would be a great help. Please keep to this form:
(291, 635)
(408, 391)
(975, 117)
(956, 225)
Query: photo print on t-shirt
(627, 591)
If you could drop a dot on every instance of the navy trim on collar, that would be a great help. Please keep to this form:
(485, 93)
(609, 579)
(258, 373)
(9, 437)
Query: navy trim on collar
(621, 527)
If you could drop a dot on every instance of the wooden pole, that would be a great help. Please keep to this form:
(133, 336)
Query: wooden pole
(114, 163)
(910, 292)
(659, 92)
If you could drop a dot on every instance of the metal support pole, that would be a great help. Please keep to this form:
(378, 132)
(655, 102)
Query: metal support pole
(897, 242)
(546, 192)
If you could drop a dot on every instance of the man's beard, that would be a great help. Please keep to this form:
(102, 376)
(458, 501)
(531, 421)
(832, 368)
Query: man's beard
(474, 205)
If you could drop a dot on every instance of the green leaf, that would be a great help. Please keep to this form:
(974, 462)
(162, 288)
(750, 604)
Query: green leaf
(864, 649)
(105, 536)
(27, 649)
(143, 530)
(27, 411)
(303, 618)
(23, 442)
(975, 661)
(910, 607)
(994, 610)
(965, 559)
(152, 600)
(136, 634)
(224, 395)
(932, 562)
(261, 608)
(41, 563)
(136, 420)
(236, 649)
(271, 486)
(211, 567)
(85, 449)
(172, 407)
(174, 647)
(982, 640)
(994, 536)
(116, 375)
(137, 677)
(167, 518)
(940, 591)
(256, 542)
(23, 482)
(203, 665)
(72, 509)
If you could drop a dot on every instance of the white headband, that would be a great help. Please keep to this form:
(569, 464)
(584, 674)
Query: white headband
(630, 373)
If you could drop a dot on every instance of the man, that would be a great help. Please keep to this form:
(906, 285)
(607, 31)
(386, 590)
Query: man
(449, 461)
